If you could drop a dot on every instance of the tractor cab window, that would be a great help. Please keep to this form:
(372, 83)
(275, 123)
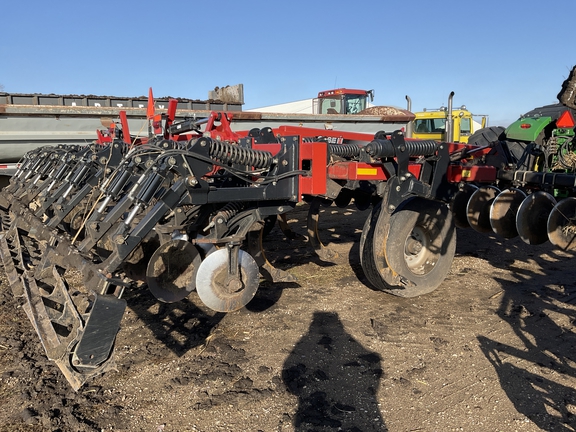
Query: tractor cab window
(330, 106)
(343, 104)
(355, 103)
(465, 125)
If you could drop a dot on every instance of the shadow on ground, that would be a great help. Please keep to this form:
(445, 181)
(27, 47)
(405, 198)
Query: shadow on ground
(335, 378)
(539, 305)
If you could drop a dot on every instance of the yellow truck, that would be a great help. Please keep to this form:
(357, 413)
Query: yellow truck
(447, 124)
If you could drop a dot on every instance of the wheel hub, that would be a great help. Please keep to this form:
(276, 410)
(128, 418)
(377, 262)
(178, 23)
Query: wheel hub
(413, 246)
(416, 250)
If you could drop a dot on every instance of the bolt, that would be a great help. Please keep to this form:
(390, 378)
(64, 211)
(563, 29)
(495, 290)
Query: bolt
(391, 207)
(397, 188)
(284, 162)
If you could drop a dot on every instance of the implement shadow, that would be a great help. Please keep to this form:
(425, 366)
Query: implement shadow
(336, 226)
(179, 326)
(537, 370)
(335, 378)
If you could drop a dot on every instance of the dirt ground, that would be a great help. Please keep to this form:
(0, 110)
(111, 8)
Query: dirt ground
(492, 349)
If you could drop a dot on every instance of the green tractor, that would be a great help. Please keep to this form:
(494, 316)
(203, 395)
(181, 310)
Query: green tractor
(535, 192)
(543, 138)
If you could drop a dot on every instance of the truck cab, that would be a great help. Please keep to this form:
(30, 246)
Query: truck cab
(342, 101)
(432, 124)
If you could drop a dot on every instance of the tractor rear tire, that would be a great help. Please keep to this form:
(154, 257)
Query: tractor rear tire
(567, 95)
(489, 135)
(486, 136)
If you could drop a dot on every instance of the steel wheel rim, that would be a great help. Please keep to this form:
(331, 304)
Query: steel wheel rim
(419, 257)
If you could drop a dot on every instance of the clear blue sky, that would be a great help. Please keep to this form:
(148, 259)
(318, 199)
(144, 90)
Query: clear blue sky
(501, 58)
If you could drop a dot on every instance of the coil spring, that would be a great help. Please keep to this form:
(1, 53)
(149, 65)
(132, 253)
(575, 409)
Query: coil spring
(227, 212)
(345, 150)
(232, 153)
(385, 148)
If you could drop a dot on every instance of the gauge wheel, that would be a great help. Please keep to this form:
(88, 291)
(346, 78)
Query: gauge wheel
(419, 247)
(373, 253)
(369, 265)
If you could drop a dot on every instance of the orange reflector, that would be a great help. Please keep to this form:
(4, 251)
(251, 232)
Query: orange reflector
(367, 171)
(3, 166)
(525, 125)
(566, 120)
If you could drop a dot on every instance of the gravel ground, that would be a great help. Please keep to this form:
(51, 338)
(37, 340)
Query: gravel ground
(492, 349)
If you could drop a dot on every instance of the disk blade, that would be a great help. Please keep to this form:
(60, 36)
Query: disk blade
(221, 292)
(459, 204)
(562, 224)
(503, 212)
(478, 208)
(532, 217)
(171, 272)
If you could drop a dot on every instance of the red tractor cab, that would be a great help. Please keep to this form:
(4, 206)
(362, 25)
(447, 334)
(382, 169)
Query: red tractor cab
(343, 101)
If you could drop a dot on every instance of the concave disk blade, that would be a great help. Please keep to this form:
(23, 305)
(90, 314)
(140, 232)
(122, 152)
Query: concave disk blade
(459, 204)
(215, 288)
(171, 272)
(478, 208)
(503, 212)
(562, 224)
(532, 217)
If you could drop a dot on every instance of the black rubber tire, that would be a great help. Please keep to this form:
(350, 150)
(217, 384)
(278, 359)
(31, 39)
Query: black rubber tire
(567, 95)
(491, 134)
(487, 135)
(373, 251)
(422, 272)
(367, 247)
